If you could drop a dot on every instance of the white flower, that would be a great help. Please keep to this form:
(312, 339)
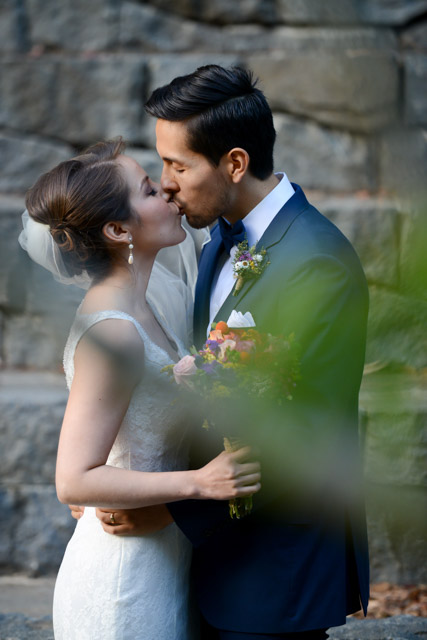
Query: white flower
(239, 320)
(224, 346)
(258, 257)
(242, 264)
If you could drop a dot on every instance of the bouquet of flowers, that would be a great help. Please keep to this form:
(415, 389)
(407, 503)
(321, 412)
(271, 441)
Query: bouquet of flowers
(238, 361)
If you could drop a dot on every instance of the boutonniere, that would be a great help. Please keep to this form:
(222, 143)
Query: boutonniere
(248, 263)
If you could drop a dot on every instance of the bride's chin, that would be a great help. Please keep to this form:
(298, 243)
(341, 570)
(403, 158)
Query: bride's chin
(181, 235)
(175, 241)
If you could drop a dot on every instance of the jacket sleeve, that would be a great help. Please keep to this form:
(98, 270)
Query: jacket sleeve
(310, 444)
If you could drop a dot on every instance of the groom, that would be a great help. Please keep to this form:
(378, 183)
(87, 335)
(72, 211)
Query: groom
(298, 564)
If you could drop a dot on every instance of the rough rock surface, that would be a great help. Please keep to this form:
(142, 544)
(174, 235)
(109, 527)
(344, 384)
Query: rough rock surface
(416, 80)
(38, 526)
(322, 158)
(358, 88)
(16, 626)
(79, 100)
(397, 628)
(79, 25)
(371, 225)
(394, 436)
(26, 157)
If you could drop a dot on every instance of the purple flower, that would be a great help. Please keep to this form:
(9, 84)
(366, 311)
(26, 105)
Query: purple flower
(198, 361)
(245, 256)
(209, 367)
(213, 345)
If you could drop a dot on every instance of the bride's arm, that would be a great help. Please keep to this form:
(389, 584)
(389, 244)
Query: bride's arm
(104, 379)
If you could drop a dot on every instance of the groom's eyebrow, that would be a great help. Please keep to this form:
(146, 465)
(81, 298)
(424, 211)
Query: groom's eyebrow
(166, 159)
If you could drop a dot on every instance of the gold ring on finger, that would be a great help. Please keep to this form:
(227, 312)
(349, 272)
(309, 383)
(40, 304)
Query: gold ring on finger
(112, 518)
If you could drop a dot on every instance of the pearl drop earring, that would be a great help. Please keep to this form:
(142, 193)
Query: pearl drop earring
(130, 259)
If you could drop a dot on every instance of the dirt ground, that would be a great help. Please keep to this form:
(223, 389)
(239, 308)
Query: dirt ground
(391, 600)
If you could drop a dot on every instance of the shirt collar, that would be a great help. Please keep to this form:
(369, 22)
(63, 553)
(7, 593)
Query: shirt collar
(257, 220)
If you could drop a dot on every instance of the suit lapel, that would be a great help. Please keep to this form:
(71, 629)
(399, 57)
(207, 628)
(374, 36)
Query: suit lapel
(286, 216)
(271, 237)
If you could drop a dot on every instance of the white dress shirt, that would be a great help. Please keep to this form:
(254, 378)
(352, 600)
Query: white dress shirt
(256, 222)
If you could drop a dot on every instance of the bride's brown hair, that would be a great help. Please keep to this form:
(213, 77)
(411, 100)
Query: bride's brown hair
(76, 199)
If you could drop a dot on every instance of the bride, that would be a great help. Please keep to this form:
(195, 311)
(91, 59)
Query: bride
(98, 219)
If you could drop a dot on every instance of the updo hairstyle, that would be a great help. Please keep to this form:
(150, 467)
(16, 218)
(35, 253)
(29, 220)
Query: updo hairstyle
(76, 199)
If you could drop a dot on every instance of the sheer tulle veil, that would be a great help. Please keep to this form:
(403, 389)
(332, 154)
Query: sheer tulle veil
(172, 282)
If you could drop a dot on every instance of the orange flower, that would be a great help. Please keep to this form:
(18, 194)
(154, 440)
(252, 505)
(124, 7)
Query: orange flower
(245, 356)
(215, 334)
(222, 326)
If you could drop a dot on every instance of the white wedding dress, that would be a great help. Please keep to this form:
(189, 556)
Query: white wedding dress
(130, 588)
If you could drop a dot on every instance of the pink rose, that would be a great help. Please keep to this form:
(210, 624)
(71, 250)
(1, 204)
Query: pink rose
(184, 369)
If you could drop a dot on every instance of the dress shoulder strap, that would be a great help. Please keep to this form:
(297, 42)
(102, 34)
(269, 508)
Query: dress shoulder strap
(82, 323)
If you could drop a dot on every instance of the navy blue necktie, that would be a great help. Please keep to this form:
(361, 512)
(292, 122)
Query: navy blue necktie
(231, 235)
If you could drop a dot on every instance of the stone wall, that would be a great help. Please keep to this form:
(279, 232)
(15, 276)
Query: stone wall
(346, 81)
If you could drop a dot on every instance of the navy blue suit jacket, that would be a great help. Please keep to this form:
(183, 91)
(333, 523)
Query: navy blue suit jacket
(300, 560)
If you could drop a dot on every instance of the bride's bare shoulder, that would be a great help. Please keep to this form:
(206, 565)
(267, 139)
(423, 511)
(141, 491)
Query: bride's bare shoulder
(118, 334)
(111, 349)
(112, 338)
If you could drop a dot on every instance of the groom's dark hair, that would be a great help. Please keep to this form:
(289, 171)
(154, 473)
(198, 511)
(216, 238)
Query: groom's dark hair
(222, 109)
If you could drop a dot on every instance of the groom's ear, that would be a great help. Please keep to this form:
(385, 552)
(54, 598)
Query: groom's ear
(237, 163)
(116, 232)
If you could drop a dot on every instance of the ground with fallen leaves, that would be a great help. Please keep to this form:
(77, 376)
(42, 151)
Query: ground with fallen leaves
(392, 600)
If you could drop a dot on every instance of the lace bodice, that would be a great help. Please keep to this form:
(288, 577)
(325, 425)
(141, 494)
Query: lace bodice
(130, 588)
(152, 434)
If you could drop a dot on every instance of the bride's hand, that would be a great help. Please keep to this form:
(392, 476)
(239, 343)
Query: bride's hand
(229, 476)
(135, 522)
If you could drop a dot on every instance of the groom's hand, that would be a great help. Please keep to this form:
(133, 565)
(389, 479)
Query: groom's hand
(76, 511)
(135, 522)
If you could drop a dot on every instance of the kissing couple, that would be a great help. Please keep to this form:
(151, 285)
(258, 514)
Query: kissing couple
(155, 555)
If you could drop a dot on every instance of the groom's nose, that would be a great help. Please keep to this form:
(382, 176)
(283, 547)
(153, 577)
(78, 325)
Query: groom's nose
(168, 183)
